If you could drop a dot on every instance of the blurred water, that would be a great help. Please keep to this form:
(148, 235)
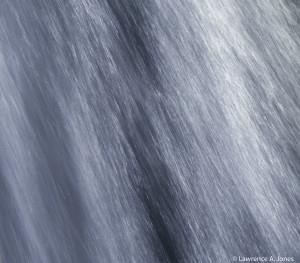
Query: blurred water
(149, 131)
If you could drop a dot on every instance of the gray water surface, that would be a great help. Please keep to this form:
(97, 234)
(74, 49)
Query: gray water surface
(149, 131)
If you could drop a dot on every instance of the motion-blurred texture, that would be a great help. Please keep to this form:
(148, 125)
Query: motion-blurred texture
(149, 131)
